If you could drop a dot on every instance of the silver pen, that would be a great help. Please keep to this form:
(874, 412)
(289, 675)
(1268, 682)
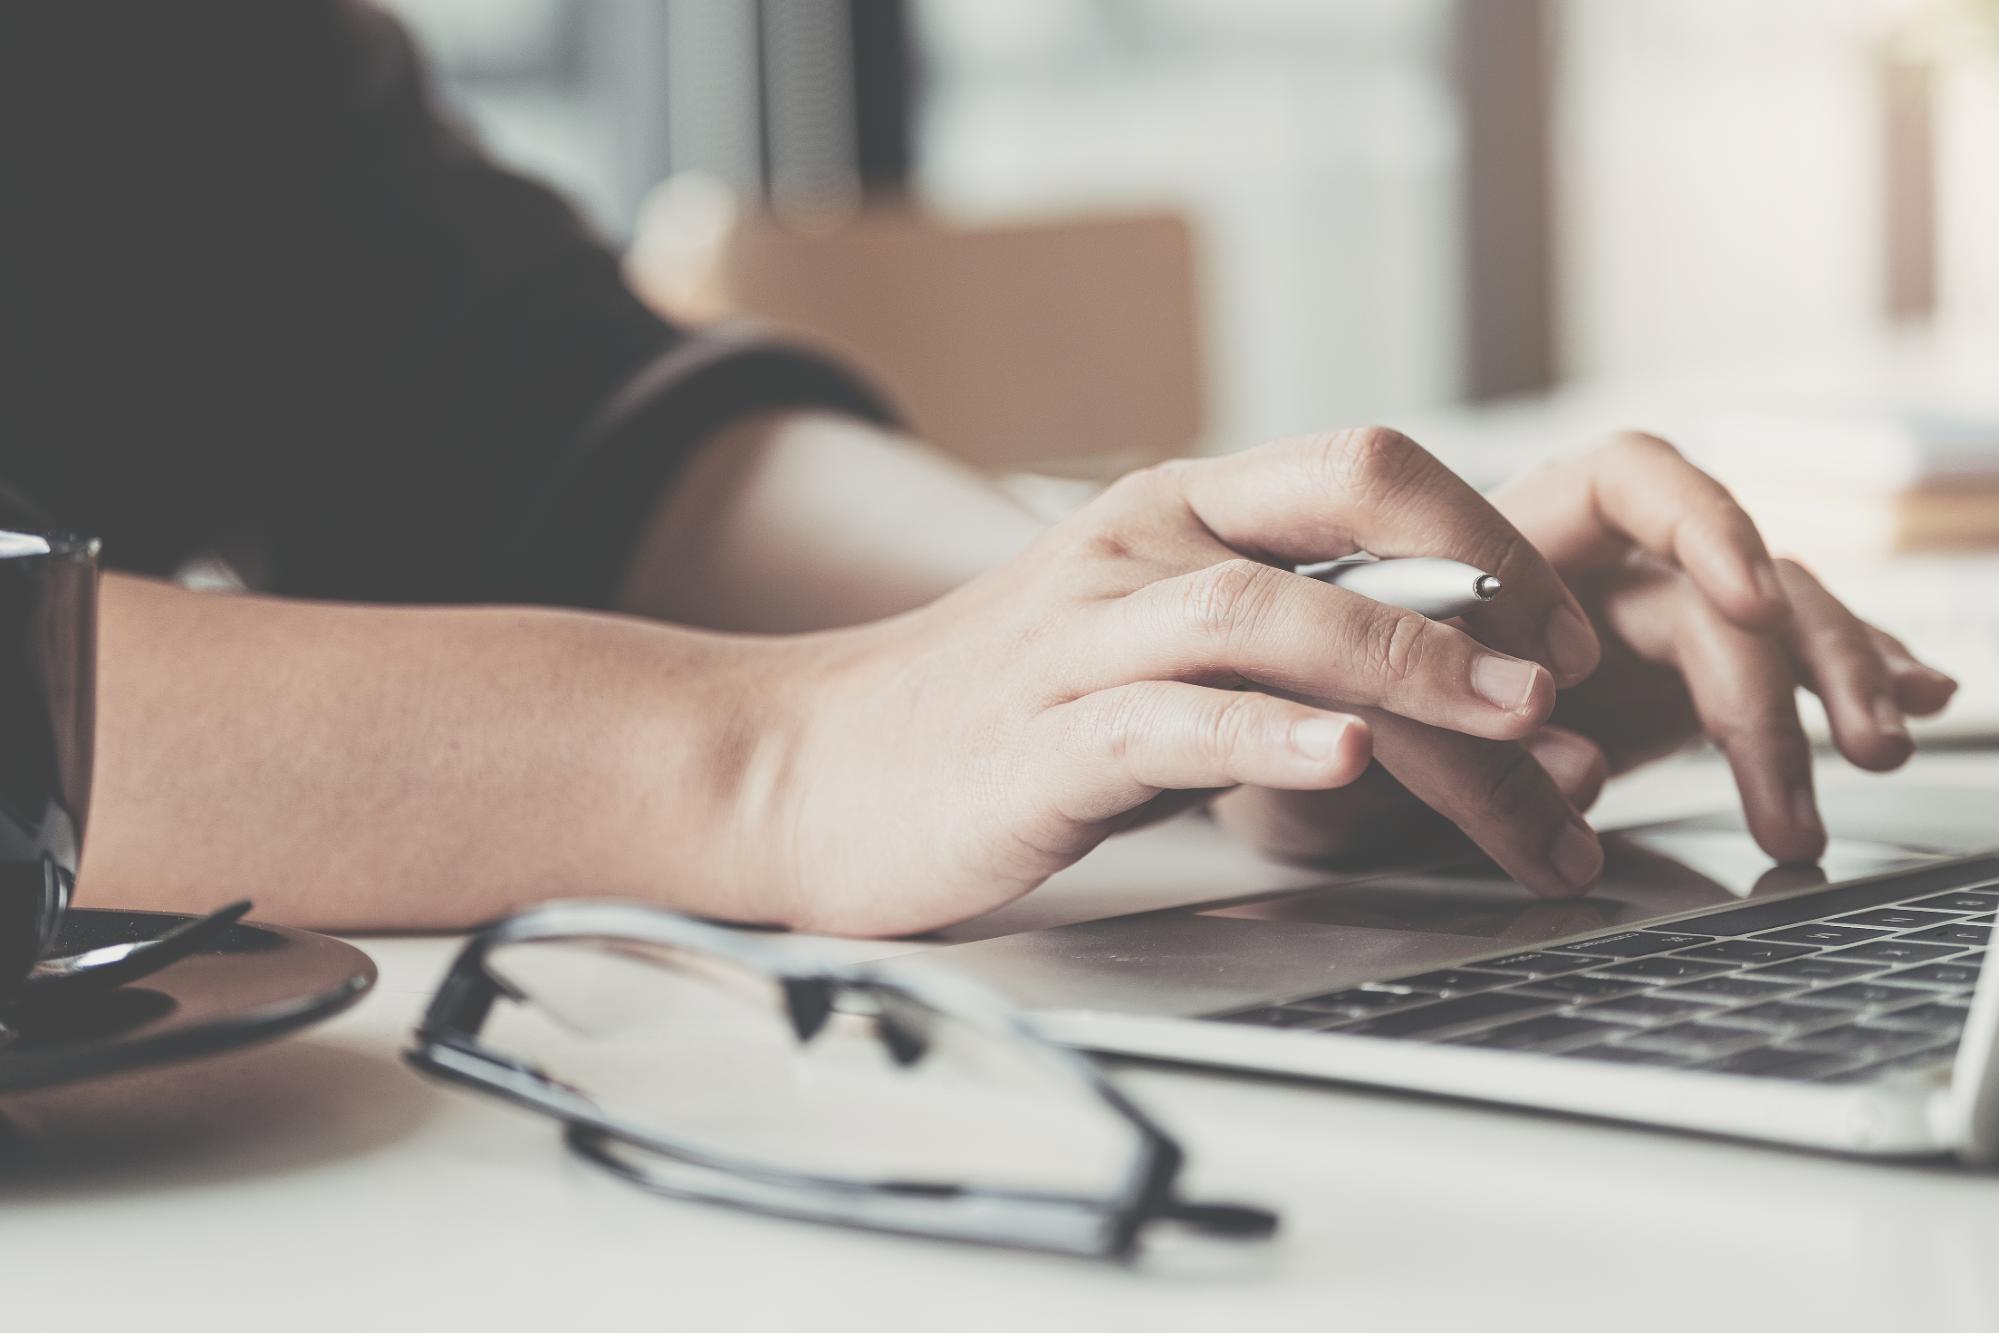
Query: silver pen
(1438, 589)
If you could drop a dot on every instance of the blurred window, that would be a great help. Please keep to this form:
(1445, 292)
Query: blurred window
(1313, 143)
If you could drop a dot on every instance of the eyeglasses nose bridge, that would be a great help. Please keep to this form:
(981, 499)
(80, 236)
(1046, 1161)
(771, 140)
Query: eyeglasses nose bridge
(808, 1003)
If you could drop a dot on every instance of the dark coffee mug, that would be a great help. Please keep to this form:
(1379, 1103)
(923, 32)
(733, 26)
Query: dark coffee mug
(48, 706)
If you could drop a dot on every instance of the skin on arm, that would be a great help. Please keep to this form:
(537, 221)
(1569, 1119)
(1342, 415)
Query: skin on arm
(352, 766)
(363, 766)
(809, 520)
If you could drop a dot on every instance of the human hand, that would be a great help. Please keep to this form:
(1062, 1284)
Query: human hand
(1702, 633)
(931, 766)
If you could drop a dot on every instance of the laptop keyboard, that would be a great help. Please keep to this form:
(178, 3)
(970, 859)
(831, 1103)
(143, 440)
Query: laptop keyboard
(1847, 985)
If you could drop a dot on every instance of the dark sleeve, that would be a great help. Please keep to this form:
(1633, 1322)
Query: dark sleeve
(328, 336)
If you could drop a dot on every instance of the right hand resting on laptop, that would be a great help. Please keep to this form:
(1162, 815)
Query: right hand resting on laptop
(1702, 633)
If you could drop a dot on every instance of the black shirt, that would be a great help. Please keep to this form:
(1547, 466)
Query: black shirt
(258, 298)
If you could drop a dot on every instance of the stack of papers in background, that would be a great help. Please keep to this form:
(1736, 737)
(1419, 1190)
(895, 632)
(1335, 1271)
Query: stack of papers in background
(1854, 486)
(1946, 608)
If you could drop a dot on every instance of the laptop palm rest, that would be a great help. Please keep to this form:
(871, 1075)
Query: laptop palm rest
(1230, 953)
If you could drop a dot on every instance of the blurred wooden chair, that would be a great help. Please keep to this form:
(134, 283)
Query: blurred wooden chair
(1068, 346)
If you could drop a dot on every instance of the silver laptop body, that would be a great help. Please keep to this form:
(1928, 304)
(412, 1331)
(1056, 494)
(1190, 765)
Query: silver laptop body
(1843, 1010)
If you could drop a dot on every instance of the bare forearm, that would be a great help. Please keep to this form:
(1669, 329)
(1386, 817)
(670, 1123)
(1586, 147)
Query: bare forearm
(351, 766)
(808, 520)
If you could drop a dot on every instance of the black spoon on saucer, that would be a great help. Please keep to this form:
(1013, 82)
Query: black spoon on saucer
(115, 965)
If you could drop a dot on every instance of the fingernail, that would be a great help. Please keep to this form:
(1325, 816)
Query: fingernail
(1319, 738)
(1567, 760)
(1572, 648)
(1577, 856)
(1888, 719)
(1504, 682)
(1805, 812)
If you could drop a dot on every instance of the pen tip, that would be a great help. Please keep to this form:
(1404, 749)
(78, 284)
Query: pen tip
(1486, 587)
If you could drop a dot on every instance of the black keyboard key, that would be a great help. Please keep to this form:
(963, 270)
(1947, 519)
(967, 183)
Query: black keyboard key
(1818, 932)
(1590, 986)
(1654, 1008)
(1960, 933)
(1696, 1041)
(1862, 995)
(1862, 1040)
(1961, 900)
(1756, 918)
(1550, 1032)
(1777, 1015)
(1633, 944)
(1773, 1062)
(1817, 968)
(1277, 1016)
(1897, 950)
(1897, 918)
(1748, 951)
(1446, 1014)
(1536, 964)
(1456, 981)
(1362, 999)
(1720, 990)
(1946, 976)
(1936, 1016)
(1675, 967)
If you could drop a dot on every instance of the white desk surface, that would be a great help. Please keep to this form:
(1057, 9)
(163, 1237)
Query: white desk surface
(317, 1183)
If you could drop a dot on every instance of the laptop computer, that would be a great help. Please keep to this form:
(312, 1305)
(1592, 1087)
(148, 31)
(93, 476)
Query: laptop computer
(1843, 1008)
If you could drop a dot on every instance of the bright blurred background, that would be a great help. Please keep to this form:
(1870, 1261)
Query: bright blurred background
(1074, 234)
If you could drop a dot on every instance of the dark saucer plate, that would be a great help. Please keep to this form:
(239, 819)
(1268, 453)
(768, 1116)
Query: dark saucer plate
(258, 982)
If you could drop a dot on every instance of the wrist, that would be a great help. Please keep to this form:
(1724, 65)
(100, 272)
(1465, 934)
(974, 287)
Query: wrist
(719, 743)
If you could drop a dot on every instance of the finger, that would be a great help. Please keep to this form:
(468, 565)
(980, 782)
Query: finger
(1375, 813)
(1374, 489)
(1502, 797)
(1843, 665)
(1578, 765)
(1920, 689)
(1639, 491)
(1124, 746)
(1744, 688)
(1244, 620)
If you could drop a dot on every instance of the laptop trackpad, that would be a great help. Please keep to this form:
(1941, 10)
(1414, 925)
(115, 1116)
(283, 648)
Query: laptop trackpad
(1648, 873)
(1201, 959)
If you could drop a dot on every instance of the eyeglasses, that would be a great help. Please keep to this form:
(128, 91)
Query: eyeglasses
(729, 1067)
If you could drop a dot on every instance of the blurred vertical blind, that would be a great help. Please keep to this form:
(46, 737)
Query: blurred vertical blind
(801, 102)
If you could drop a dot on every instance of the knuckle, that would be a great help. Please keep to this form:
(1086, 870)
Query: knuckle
(1132, 493)
(1404, 649)
(1228, 599)
(1366, 460)
(1227, 728)
(1764, 727)
(1791, 571)
(1507, 553)
(1644, 444)
(1132, 715)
